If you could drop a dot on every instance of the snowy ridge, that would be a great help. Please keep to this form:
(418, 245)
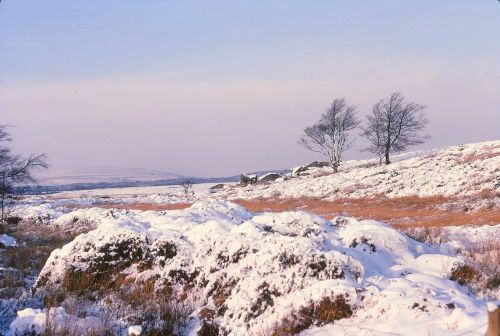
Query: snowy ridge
(455, 171)
(256, 270)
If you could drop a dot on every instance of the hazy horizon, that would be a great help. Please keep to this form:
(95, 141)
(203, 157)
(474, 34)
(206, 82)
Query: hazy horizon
(214, 89)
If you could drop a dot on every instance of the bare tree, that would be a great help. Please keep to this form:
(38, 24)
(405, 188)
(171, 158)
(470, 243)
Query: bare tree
(330, 135)
(187, 187)
(15, 170)
(393, 126)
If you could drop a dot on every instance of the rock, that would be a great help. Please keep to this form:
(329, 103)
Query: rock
(216, 187)
(270, 177)
(248, 179)
(315, 164)
(297, 170)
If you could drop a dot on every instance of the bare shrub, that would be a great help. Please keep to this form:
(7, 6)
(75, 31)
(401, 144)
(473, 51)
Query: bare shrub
(208, 329)
(473, 157)
(465, 275)
(325, 312)
(166, 318)
(427, 234)
(11, 279)
(187, 188)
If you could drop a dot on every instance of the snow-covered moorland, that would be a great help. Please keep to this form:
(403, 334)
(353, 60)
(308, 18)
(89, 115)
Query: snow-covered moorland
(213, 266)
(252, 274)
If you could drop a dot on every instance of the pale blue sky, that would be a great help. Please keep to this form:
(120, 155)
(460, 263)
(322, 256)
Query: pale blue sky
(218, 87)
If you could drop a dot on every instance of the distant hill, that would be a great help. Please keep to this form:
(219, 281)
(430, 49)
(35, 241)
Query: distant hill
(116, 177)
(104, 174)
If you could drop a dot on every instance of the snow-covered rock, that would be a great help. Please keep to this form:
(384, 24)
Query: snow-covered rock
(269, 177)
(7, 241)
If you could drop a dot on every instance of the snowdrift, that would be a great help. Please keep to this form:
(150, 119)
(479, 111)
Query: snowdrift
(254, 274)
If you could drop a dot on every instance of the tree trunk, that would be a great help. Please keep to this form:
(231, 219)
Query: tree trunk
(493, 322)
(387, 160)
(2, 201)
(335, 168)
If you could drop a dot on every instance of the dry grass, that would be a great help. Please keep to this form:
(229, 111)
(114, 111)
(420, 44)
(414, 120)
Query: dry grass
(402, 212)
(325, 312)
(465, 274)
(427, 234)
(69, 329)
(11, 279)
(470, 158)
(35, 243)
(33, 233)
(159, 314)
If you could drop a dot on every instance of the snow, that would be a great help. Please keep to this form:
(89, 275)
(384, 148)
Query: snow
(34, 320)
(492, 306)
(134, 330)
(7, 240)
(157, 194)
(267, 266)
(430, 173)
(391, 281)
(108, 174)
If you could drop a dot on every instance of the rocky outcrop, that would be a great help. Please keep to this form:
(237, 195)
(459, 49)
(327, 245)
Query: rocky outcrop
(248, 179)
(315, 164)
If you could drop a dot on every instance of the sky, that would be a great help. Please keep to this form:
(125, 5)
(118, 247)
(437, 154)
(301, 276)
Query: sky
(214, 88)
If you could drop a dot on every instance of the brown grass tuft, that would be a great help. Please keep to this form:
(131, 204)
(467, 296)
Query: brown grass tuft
(465, 275)
(324, 312)
(472, 157)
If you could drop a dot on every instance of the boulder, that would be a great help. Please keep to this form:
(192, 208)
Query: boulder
(315, 164)
(216, 187)
(269, 177)
(248, 179)
(297, 170)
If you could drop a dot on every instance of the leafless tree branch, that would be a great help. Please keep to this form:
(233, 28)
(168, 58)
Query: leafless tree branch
(15, 170)
(394, 125)
(330, 135)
